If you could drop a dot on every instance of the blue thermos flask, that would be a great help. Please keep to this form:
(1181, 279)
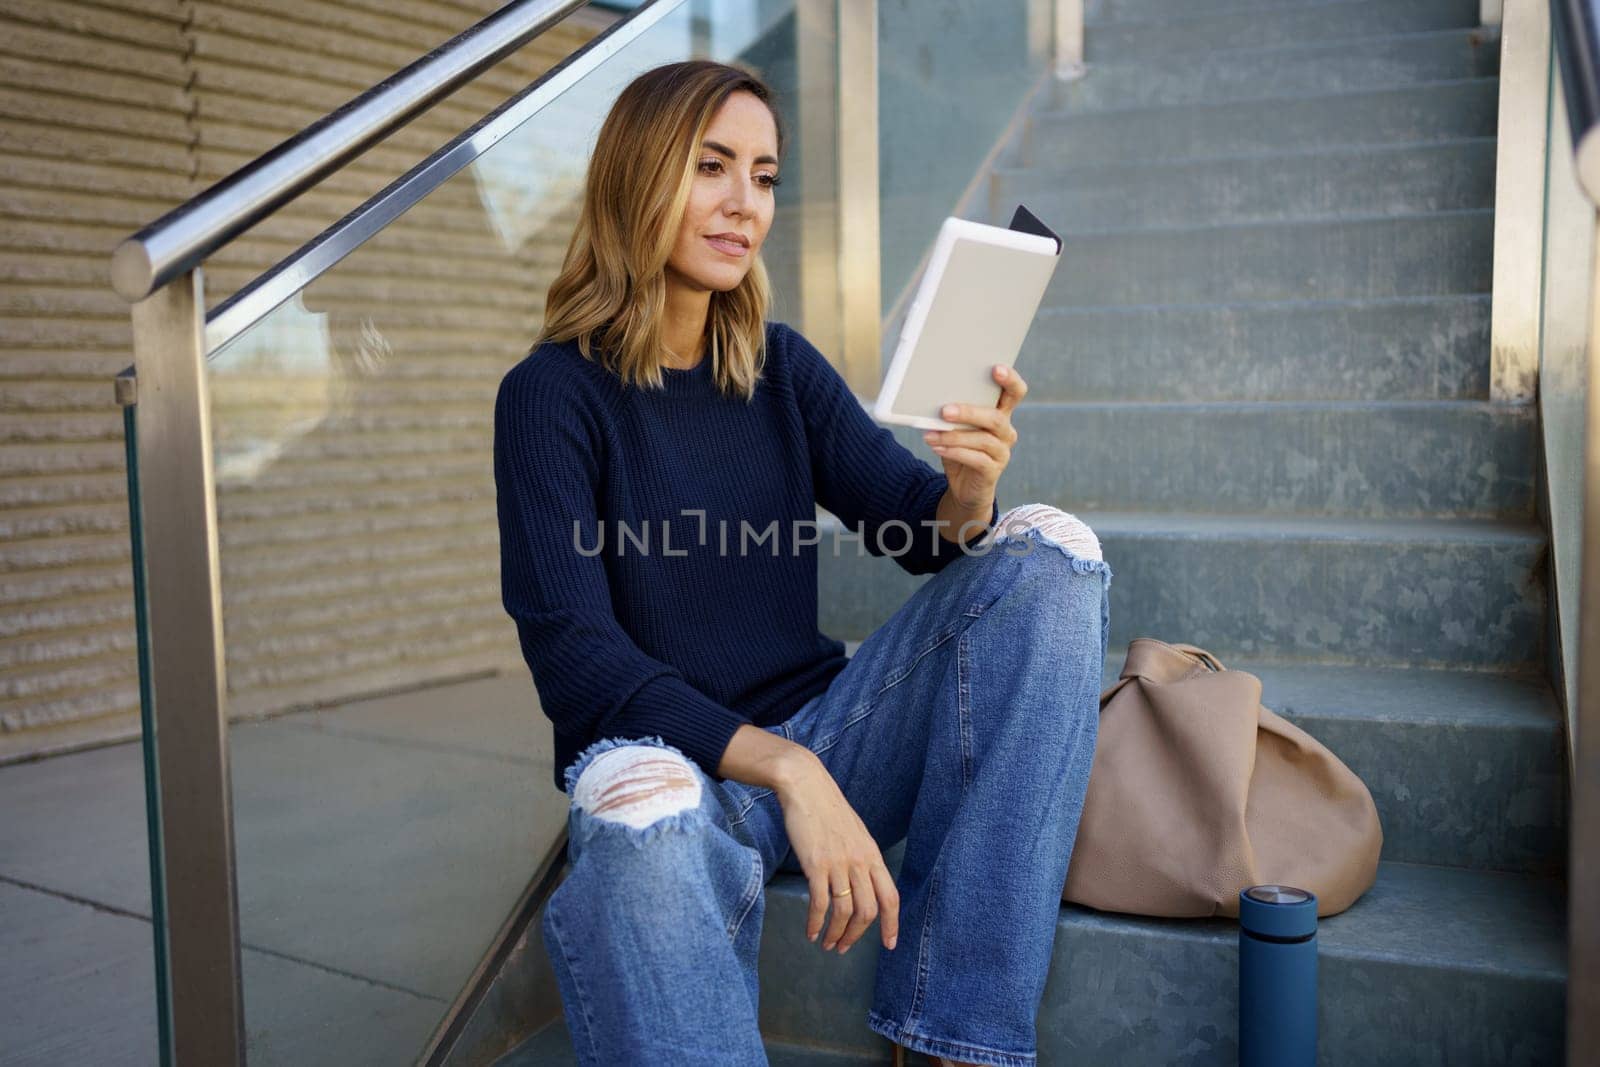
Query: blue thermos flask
(1277, 977)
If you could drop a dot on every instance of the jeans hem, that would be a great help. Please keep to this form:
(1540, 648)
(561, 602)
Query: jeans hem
(936, 1046)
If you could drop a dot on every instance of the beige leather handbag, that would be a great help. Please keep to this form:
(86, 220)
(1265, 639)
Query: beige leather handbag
(1197, 791)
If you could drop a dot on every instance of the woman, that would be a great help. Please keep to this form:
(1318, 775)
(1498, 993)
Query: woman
(708, 733)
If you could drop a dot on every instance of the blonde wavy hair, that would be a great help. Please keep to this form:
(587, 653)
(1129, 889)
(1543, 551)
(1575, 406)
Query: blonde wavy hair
(611, 292)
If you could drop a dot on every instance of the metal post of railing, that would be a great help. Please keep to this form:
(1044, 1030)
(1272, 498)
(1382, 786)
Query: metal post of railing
(1519, 202)
(860, 284)
(177, 497)
(1069, 39)
(816, 56)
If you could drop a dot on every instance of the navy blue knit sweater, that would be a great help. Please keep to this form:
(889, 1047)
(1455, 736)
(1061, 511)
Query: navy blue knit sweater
(637, 615)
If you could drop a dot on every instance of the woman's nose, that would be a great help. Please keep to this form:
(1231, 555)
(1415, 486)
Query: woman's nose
(739, 200)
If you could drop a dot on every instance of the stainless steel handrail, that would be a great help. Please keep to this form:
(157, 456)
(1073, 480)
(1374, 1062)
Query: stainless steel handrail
(182, 238)
(308, 262)
(1517, 291)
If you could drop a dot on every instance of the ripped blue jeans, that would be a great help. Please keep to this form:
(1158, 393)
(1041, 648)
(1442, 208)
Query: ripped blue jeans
(965, 725)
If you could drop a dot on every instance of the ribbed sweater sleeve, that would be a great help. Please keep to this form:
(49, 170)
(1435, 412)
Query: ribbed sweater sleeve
(593, 680)
(862, 474)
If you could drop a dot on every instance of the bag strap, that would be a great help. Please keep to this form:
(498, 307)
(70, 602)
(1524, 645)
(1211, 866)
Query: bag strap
(1200, 654)
(1189, 652)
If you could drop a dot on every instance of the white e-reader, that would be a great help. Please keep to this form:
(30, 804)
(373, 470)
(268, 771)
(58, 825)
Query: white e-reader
(972, 310)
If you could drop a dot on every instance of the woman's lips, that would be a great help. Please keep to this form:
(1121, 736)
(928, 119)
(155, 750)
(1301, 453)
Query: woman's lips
(727, 247)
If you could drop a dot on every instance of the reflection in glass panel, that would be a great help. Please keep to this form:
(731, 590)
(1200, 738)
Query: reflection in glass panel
(951, 73)
(391, 767)
(1569, 238)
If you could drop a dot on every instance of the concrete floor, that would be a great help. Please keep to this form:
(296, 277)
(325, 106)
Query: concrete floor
(379, 846)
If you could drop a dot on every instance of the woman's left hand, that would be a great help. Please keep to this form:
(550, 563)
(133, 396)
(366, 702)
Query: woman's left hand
(974, 458)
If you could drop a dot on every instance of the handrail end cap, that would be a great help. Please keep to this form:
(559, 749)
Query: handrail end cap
(131, 270)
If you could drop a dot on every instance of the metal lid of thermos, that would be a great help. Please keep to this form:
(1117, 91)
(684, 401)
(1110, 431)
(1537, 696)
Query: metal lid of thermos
(1277, 977)
(1278, 912)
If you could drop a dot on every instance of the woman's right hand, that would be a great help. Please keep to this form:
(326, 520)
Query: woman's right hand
(836, 851)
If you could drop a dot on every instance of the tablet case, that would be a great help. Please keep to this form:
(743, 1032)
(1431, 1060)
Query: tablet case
(972, 310)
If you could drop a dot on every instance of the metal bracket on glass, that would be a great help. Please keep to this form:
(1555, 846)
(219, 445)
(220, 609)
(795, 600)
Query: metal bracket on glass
(127, 385)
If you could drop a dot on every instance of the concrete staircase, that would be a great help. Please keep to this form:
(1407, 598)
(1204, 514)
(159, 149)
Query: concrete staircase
(1261, 375)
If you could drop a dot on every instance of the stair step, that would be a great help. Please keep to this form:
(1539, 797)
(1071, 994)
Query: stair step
(1326, 183)
(1410, 348)
(1428, 111)
(1322, 66)
(1431, 965)
(1408, 255)
(1110, 12)
(1474, 956)
(552, 1047)
(1366, 459)
(1249, 25)
(1393, 592)
(1467, 768)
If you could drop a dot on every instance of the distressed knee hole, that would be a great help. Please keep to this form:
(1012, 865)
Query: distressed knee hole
(1066, 530)
(637, 785)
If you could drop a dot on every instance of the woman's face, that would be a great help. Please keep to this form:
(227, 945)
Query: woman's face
(730, 197)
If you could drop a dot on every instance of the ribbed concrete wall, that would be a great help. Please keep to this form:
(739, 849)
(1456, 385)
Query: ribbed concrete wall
(358, 531)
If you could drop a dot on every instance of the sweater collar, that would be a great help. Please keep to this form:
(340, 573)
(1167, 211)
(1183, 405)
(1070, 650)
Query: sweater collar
(689, 381)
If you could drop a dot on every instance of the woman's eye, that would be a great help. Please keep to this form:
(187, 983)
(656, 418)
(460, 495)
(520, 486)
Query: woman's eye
(714, 166)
